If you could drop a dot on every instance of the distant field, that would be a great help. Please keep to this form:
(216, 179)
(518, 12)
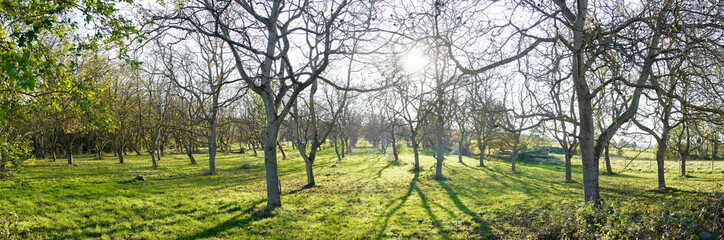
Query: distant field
(362, 197)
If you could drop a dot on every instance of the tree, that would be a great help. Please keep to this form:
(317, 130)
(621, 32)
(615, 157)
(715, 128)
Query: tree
(516, 120)
(462, 120)
(311, 130)
(35, 39)
(414, 112)
(265, 38)
(589, 39)
(485, 111)
(206, 74)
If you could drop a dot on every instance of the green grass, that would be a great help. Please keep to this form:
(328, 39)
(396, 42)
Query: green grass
(362, 197)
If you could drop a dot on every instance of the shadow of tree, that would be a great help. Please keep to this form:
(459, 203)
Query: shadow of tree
(483, 226)
(235, 222)
(379, 173)
(402, 200)
(429, 212)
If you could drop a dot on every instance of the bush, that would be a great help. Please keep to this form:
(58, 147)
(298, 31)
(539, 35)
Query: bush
(401, 147)
(701, 219)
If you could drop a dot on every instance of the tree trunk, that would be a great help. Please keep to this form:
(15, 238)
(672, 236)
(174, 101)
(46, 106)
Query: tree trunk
(310, 173)
(460, 148)
(119, 152)
(189, 151)
(683, 166)
(440, 158)
(481, 147)
(394, 148)
(589, 165)
(281, 150)
(568, 156)
(154, 164)
(417, 155)
(663, 144)
(273, 186)
(438, 167)
(336, 145)
(253, 147)
(660, 150)
(190, 154)
(589, 162)
(348, 143)
(514, 155)
(343, 143)
(212, 145)
(69, 150)
(158, 152)
(608, 160)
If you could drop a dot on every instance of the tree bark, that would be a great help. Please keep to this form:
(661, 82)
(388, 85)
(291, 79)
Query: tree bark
(212, 144)
(417, 155)
(460, 148)
(514, 155)
(273, 187)
(336, 145)
(52, 152)
(310, 173)
(660, 150)
(568, 156)
(394, 143)
(190, 154)
(281, 150)
(119, 152)
(683, 166)
(608, 160)
(481, 147)
(69, 150)
(154, 164)
(253, 147)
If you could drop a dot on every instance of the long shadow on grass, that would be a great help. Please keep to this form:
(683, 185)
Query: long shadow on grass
(429, 212)
(483, 226)
(413, 186)
(530, 187)
(379, 173)
(396, 208)
(234, 222)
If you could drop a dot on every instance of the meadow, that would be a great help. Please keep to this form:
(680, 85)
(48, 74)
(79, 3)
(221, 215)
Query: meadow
(365, 196)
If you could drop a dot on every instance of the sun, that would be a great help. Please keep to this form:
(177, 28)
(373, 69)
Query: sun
(414, 61)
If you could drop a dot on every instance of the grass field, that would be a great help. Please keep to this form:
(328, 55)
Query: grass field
(363, 197)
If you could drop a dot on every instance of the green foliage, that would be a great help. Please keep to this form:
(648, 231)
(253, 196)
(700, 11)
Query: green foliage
(401, 147)
(14, 154)
(41, 48)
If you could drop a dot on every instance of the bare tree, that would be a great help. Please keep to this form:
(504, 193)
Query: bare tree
(264, 39)
(312, 129)
(204, 75)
